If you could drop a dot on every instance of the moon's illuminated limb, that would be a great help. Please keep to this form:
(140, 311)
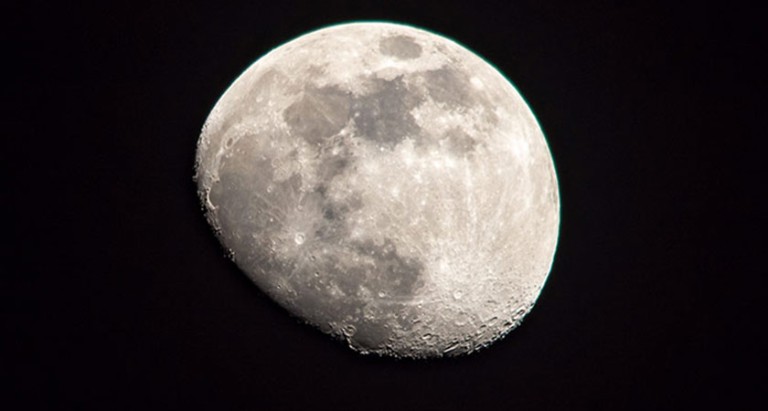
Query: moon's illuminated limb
(386, 185)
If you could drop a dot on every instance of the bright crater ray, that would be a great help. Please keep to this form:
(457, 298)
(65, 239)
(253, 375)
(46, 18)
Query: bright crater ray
(386, 185)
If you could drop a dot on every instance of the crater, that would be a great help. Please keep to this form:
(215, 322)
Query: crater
(401, 47)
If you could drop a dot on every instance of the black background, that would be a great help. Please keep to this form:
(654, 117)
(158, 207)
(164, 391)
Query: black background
(121, 298)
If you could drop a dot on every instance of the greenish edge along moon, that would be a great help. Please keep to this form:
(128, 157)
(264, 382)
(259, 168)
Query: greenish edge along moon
(386, 185)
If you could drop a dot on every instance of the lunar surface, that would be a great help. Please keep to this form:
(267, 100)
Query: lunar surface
(386, 185)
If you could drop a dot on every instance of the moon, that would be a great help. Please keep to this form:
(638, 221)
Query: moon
(386, 185)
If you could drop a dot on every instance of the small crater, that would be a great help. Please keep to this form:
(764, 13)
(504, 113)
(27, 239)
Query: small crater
(349, 330)
(402, 47)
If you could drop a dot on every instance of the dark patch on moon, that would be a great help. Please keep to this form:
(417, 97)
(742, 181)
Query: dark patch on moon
(319, 114)
(334, 211)
(402, 47)
(394, 275)
(336, 159)
(332, 167)
(332, 227)
(383, 116)
(453, 88)
(459, 143)
(449, 86)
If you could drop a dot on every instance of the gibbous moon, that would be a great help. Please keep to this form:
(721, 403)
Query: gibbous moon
(386, 185)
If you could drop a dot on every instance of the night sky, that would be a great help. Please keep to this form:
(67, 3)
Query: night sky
(120, 296)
